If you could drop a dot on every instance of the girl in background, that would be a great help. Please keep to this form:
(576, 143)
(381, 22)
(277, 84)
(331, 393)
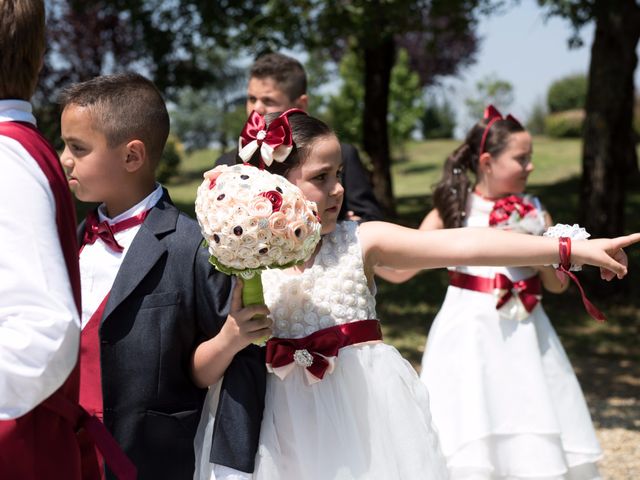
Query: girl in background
(504, 397)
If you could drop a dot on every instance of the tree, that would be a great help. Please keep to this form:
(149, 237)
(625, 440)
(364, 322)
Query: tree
(608, 158)
(437, 34)
(172, 43)
(344, 109)
(169, 40)
(490, 90)
(609, 155)
(567, 93)
(438, 119)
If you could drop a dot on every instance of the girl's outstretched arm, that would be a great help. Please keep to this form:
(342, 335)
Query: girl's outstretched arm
(390, 245)
(432, 221)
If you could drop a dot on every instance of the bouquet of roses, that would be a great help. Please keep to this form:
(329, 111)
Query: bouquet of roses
(251, 220)
(518, 213)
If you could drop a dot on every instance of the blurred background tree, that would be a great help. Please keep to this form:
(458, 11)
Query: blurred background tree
(490, 90)
(438, 119)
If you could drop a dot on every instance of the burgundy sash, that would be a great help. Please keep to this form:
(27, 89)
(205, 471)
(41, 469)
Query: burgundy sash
(53, 440)
(529, 290)
(316, 352)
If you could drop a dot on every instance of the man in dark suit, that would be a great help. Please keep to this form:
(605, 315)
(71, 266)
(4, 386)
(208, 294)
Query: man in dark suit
(277, 83)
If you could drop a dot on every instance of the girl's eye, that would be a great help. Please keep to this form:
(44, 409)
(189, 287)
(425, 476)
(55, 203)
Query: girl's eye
(320, 177)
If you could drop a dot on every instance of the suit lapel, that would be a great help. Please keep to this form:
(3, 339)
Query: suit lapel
(144, 252)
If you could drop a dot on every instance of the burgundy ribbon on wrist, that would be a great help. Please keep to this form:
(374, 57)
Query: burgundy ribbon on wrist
(565, 267)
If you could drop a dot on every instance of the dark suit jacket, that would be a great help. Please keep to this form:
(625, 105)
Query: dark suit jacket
(358, 194)
(165, 300)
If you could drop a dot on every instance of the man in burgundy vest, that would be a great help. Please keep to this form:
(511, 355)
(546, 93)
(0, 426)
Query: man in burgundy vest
(43, 431)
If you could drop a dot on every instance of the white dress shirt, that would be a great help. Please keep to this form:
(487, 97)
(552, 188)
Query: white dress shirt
(39, 324)
(99, 264)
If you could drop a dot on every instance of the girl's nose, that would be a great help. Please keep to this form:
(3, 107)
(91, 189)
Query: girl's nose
(530, 167)
(337, 189)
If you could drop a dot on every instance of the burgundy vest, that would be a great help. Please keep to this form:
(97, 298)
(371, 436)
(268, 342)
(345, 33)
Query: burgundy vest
(42, 444)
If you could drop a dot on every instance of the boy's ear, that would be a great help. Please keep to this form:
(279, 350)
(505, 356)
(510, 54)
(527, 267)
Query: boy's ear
(136, 156)
(302, 102)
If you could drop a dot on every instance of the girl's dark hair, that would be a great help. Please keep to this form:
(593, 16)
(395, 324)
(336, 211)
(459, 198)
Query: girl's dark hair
(450, 194)
(305, 130)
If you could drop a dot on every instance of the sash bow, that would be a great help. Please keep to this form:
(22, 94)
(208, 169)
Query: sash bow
(527, 290)
(317, 352)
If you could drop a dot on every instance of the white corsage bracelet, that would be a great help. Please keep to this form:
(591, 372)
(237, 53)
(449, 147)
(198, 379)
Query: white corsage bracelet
(564, 234)
(571, 232)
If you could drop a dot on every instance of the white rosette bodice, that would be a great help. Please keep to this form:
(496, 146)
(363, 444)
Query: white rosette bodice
(368, 417)
(333, 291)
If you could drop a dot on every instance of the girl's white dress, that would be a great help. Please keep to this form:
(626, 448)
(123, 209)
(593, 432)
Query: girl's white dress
(369, 418)
(504, 396)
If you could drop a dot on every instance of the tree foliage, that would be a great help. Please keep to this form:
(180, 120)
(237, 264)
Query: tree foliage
(169, 40)
(438, 119)
(489, 90)
(567, 93)
(344, 109)
(609, 157)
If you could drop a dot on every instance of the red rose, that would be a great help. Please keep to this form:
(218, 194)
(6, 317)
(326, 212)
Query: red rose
(503, 208)
(275, 198)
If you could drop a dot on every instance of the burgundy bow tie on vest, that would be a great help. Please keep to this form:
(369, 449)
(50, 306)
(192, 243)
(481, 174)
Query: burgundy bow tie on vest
(94, 229)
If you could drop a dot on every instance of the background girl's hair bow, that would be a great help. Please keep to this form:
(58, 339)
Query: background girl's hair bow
(274, 141)
(492, 114)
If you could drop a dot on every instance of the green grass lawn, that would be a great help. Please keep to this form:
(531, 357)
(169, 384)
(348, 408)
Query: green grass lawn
(407, 310)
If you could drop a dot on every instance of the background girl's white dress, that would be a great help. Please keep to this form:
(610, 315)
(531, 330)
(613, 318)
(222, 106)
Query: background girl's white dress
(369, 418)
(504, 396)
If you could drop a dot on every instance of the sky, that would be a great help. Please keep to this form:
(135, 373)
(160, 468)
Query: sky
(526, 50)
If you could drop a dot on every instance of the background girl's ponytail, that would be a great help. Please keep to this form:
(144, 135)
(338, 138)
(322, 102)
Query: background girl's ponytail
(451, 192)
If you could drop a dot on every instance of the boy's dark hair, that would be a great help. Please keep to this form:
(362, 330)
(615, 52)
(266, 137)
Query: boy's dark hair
(22, 44)
(287, 72)
(450, 194)
(124, 107)
(305, 130)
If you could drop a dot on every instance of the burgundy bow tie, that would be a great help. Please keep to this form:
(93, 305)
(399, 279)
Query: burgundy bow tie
(94, 229)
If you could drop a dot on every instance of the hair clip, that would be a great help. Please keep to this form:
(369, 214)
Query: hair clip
(492, 114)
(274, 141)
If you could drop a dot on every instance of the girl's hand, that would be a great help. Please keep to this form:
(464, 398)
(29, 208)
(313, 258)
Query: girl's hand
(245, 325)
(605, 253)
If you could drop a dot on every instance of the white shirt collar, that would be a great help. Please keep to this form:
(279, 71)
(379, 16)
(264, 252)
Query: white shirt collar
(148, 202)
(16, 111)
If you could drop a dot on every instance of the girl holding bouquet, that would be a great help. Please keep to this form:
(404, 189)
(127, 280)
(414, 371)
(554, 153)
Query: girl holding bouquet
(504, 397)
(340, 403)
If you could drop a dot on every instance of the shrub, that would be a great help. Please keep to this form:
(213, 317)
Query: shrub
(537, 118)
(567, 124)
(170, 160)
(438, 120)
(568, 93)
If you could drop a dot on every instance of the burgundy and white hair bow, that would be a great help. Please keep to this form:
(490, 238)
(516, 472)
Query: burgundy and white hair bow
(492, 114)
(274, 141)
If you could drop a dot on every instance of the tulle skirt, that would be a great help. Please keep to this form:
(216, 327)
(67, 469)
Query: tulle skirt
(368, 419)
(504, 396)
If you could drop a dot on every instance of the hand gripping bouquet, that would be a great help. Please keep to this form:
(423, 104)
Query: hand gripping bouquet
(252, 219)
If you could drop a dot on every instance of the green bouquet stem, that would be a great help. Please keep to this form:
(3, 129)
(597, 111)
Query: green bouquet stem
(252, 294)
